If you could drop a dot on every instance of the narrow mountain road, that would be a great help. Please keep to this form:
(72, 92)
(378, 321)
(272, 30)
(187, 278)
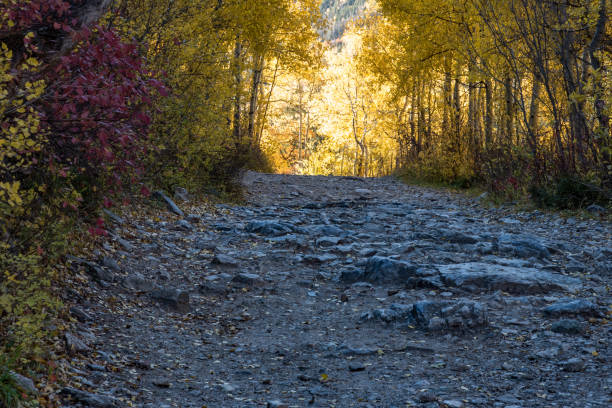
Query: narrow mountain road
(347, 292)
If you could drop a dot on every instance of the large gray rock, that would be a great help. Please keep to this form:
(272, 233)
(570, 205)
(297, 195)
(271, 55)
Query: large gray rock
(434, 315)
(24, 384)
(174, 299)
(522, 246)
(442, 315)
(477, 277)
(576, 307)
(270, 228)
(138, 283)
(382, 270)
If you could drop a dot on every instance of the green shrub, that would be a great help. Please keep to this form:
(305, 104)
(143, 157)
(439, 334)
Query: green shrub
(568, 192)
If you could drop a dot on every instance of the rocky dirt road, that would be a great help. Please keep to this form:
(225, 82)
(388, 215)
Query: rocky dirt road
(346, 292)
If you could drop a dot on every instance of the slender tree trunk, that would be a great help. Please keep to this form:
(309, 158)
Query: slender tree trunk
(488, 120)
(413, 109)
(471, 127)
(457, 114)
(421, 122)
(508, 113)
(534, 111)
(301, 115)
(238, 90)
(447, 103)
(605, 139)
(257, 71)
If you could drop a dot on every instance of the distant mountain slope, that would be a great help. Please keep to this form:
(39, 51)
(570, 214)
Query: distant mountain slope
(339, 13)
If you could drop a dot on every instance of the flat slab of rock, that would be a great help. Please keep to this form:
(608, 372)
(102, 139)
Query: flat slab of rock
(174, 299)
(577, 307)
(476, 277)
(522, 246)
(89, 399)
(269, 228)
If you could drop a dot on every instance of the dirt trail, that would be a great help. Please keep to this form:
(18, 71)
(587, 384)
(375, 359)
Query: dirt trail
(347, 292)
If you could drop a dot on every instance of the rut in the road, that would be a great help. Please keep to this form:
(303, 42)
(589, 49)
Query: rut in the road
(347, 292)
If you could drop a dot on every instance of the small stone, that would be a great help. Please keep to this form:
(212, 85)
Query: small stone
(212, 288)
(111, 264)
(276, 404)
(427, 396)
(193, 218)
(227, 387)
(74, 344)
(549, 353)
(224, 260)
(573, 365)
(161, 382)
(452, 403)
(184, 225)
(269, 228)
(96, 367)
(327, 242)
(355, 367)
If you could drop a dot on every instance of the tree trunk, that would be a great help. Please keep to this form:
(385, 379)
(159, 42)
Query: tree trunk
(238, 90)
(508, 113)
(447, 102)
(301, 116)
(412, 114)
(457, 114)
(488, 120)
(257, 71)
